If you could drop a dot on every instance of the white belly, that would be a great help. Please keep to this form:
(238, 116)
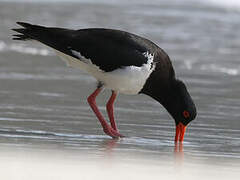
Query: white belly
(128, 80)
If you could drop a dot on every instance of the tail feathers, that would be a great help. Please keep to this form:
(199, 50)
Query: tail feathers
(20, 37)
(26, 25)
(26, 33)
(56, 38)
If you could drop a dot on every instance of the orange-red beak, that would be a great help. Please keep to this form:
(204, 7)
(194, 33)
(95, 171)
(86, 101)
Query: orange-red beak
(180, 130)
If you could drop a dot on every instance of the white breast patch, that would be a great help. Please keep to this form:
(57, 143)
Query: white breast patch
(127, 80)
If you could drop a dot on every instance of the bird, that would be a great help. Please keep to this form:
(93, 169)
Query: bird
(122, 62)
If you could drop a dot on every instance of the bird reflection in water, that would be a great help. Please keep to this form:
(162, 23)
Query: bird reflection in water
(111, 144)
(179, 152)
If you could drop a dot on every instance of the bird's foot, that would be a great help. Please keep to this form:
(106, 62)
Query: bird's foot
(113, 133)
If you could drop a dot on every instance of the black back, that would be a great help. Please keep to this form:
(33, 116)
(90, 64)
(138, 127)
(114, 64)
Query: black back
(107, 48)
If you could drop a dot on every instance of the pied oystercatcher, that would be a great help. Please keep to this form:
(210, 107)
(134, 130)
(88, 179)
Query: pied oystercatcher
(120, 61)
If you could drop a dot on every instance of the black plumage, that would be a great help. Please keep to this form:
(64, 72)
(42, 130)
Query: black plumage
(112, 50)
(107, 48)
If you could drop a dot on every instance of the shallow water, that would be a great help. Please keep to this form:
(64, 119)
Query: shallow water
(43, 103)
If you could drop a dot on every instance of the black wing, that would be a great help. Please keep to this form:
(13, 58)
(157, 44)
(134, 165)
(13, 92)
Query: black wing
(108, 49)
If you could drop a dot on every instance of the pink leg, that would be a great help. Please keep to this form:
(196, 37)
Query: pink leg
(106, 128)
(110, 110)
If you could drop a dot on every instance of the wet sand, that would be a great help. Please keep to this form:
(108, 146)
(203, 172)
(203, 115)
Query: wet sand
(57, 164)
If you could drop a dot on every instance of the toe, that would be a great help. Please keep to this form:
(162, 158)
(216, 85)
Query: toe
(113, 133)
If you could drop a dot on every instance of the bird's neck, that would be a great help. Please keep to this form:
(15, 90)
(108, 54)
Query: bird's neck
(162, 92)
(158, 89)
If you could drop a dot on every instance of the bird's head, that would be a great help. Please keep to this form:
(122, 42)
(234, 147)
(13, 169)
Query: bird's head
(180, 105)
(173, 95)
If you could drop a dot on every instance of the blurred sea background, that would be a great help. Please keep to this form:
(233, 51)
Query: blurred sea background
(43, 105)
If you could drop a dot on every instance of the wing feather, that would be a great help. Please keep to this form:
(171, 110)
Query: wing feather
(106, 48)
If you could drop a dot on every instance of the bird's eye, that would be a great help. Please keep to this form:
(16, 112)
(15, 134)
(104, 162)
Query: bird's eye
(186, 114)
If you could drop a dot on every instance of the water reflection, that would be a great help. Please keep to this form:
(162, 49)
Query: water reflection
(179, 152)
(109, 145)
(178, 148)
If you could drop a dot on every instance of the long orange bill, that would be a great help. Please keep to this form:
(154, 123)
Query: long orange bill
(180, 130)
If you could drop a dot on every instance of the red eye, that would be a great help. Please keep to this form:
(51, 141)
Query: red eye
(186, 114)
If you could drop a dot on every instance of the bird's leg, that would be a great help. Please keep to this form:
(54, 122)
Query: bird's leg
(106, 128)
(110, 107)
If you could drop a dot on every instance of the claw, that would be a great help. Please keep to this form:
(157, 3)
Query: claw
(113, 133)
